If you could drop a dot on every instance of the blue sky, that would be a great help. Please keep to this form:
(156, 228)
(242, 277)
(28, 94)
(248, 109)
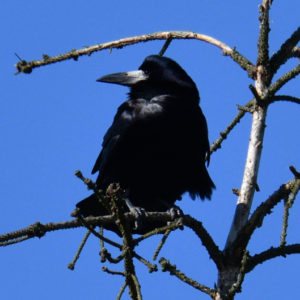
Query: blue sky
(53, 120)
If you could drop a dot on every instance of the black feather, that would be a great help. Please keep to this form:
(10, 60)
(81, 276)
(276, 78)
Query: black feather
(158, 141)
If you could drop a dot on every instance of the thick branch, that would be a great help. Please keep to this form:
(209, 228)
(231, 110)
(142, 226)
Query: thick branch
(250, 174)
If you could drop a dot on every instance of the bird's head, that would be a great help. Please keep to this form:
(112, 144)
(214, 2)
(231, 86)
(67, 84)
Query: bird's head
(156, 76)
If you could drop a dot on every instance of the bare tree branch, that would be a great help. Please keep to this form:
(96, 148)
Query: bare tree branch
(71, 265)
(165, 47)
(270, 254)
(38, 230)
(250, 174)
(27, 67)
(123, 287)
(169, 227)
(161, 244)
(223, 135)
(286, 212)
(98, 235)
(284, 98)
(288, 49)
(263, 40)
(236, 287)
(259, 114)
(114, 192)
(286, 191)
(105, 269)
(213, 250)
(167, 266)
(283, 80)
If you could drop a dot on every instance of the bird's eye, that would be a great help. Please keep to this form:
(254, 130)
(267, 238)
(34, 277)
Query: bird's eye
(146, 71)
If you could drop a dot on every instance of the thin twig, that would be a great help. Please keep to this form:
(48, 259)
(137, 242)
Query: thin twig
(98, 235)
(167, 266)
(283, 80)
(105, 255)
(121, 292)
(151, 267)
(15, 241)
(223, 135)
(165, 46)
(288, 203)
(212, 249)
(71, 265)
(160, 245)
(171, 226)
(286, 212)
(105, 269)
(92, 186)
(265, 208)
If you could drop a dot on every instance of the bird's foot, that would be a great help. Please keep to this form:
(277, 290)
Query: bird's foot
(176, 215)
(175, 212)
(138, 212)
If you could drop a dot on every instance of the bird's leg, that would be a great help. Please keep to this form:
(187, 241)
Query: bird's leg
(138, 212)
(175, 212)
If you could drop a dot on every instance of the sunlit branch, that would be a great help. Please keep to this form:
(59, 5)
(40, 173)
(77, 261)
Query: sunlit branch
(27, 67)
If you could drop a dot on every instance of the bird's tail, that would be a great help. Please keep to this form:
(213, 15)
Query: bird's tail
(204, 186)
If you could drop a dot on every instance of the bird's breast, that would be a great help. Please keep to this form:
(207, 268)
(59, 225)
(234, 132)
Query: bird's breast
(147, 108)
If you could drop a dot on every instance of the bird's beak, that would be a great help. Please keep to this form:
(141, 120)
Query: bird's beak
(126, 78)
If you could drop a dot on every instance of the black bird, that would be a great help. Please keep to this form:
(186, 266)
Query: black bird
(156, 147)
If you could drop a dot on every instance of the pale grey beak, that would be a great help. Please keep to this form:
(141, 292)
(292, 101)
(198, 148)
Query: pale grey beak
(126, 78)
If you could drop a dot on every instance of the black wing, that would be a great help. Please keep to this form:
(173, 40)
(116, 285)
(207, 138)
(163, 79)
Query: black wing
(122, 120)
(129, 115)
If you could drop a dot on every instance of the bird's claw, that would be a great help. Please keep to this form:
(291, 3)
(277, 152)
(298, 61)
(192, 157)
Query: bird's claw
(139, 214)
(175, 212)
